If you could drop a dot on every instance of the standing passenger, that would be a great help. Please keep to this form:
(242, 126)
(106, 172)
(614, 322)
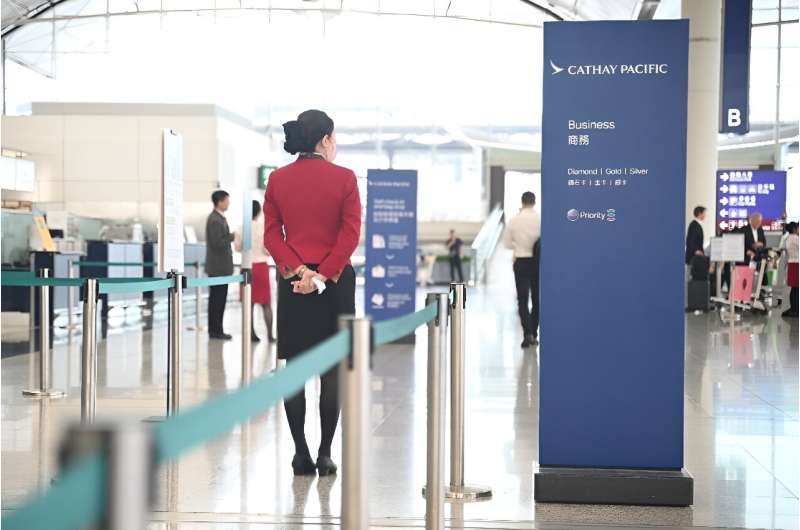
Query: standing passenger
(755, 242)
(454, 245)
(522, 235)
(792, 276)
(312, 221)
(262, 289)
(219, 262)
(694, 235)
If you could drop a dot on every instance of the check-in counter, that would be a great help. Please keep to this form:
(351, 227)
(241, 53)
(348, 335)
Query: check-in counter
(115, 252)
(58, 264)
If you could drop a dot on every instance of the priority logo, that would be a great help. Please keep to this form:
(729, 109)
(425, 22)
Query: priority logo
(610, 215)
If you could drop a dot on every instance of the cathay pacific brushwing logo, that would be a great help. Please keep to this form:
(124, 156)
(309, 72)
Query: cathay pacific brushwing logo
(611, 69)
(556, 69)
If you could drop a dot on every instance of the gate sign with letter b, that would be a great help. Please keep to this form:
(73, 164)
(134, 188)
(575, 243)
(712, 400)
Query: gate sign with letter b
(735, 79)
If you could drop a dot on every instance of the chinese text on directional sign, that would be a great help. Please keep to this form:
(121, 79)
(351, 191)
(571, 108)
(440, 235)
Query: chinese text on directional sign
(741, 193)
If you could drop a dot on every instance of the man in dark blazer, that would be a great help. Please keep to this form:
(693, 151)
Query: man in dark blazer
(219, 262)
(694, 235)
(754, 239)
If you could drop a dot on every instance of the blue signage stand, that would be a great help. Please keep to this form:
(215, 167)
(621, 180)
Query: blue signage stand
(742, 192)
(391, 244)
(613, 203)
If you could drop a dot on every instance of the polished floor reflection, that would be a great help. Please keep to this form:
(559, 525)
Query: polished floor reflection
(741, 427)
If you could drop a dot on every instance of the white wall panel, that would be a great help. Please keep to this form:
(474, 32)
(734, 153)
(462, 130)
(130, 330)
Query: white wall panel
(109, 164)
(100, 148)
(41, 138)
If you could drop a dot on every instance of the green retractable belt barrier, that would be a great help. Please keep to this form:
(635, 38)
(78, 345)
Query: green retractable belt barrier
(74, 502)
(391, 330)
(28, 279)
(77, 498)
(221, 413)
(122, 279)
(114, 263)
(91, 263)
(213, 280)
(135, 285)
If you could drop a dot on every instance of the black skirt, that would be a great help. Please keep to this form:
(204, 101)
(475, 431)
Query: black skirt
(305, 320)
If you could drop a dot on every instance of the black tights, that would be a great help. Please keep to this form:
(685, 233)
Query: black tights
(328, 414)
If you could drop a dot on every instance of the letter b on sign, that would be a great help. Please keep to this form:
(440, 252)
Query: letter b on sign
(734, 117)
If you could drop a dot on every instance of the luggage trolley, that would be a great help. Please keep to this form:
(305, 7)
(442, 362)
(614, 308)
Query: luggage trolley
(763, 299)
(728, 250)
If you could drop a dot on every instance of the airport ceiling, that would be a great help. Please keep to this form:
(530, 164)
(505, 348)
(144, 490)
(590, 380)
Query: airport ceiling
(16, 13)
(94, 50)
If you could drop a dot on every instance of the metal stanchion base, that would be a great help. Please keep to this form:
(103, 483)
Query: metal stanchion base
(466, 493)
(51, 394)
(725, 316)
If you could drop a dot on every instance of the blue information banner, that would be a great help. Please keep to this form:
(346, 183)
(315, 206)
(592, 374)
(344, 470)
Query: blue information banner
(741, 192)
(612, 271)
(735, 74)
(391, 244)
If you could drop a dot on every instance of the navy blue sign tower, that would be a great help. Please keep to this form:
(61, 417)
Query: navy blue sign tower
(735, 73)
(613, 203)
(391, 243)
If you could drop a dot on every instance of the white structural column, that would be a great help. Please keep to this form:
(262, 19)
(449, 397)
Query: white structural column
(705, 24)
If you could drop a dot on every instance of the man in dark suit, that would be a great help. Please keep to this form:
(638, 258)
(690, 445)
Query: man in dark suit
(754, 239)
(219, 262)
(694, 235)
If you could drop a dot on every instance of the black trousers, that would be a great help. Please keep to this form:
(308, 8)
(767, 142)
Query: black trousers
(303, 321)
(455, 266)
(217, 295)
(526, 279)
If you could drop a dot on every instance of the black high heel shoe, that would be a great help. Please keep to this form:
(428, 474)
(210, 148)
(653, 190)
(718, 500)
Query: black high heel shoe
(303, 465)
(325, 466)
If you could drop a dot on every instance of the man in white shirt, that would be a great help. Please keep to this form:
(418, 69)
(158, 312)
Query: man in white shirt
(521, 234)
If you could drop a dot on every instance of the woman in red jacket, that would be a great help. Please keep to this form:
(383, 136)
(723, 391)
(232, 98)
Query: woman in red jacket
(312, 217)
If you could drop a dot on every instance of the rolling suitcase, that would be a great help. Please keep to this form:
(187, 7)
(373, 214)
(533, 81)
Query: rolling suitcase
(697, 295)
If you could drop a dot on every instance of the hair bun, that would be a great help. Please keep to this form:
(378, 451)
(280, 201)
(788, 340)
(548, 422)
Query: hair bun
(294, 141)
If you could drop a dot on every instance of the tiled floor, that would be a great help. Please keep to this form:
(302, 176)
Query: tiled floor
(741, 428)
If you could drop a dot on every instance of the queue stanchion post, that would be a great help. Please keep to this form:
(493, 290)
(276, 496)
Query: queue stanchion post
(434, 490)
(32, 307)
(175, 343)
(354, 389)
(45, 351)
(198, 298)
(70, 295)
(130, 471)
(89, 351)
(247, 322)
(457, 489)
(31, 319)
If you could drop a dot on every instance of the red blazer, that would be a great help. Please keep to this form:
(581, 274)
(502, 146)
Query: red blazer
(312, 215)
